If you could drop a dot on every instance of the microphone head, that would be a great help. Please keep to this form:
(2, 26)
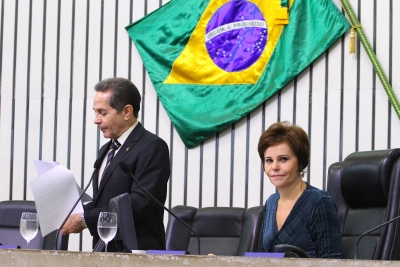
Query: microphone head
(97, 163)
(124, 167)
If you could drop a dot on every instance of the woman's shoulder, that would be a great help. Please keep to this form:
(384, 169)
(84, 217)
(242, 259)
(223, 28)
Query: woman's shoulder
(272, 199)
(273, 196)
(316, 191)
(314, 194)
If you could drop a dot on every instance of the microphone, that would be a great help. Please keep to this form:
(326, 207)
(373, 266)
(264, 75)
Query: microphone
(291, 251)
(369, 231)
(96, 165)
(126, 169)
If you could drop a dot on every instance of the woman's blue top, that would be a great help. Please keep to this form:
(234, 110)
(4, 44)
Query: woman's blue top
(312, 225)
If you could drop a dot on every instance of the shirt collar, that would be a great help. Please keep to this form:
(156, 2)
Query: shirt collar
(125, 135)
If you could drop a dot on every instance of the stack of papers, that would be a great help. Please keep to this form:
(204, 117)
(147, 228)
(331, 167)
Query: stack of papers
(55, 192)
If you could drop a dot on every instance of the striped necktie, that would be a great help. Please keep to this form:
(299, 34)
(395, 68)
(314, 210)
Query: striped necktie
(114, 146)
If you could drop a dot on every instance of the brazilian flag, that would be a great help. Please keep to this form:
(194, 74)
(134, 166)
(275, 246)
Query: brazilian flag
(213, 61)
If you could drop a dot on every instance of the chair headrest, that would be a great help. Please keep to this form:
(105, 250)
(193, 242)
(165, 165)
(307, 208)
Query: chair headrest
(365, 177)
(219, 221)
(11, 211)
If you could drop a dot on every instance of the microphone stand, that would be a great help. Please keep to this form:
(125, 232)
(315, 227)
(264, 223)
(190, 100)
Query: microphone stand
(126, 169)
(369, 231)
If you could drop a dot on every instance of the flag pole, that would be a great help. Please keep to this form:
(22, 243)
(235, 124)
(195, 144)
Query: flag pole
(372, 56)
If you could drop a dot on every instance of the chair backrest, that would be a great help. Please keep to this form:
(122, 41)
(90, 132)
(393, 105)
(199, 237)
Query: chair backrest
(366, 189)
(334, 188)
(10, 216)
(222, 230)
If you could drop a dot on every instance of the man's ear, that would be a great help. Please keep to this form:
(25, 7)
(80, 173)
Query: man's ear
(128, 112)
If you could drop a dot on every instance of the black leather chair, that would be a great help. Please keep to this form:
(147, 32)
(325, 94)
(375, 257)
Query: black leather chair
(366, 190)
(10, 216)
(222, 230)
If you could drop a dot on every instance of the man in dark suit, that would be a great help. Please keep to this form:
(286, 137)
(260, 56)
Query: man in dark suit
(116, 105)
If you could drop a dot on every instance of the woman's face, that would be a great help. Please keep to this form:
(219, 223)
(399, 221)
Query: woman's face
(281, 165)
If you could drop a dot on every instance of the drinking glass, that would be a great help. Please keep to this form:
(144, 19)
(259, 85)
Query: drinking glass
(107, 226)
(28, 226)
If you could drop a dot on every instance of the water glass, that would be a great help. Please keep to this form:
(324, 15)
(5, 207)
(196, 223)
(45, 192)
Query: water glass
(28, 226)
(107, 226)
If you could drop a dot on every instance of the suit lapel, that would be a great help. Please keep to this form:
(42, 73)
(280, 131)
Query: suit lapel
(128, 145)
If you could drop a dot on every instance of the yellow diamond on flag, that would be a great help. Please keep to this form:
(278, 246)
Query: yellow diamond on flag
(231, 44)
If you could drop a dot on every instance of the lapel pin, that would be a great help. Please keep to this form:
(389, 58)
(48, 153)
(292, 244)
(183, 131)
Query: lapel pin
(127, 148)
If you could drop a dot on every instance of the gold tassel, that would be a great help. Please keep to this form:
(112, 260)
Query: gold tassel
(352, 41)
(353, 38)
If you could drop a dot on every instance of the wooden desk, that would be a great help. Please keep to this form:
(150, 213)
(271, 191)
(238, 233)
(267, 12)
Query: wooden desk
(47, 258)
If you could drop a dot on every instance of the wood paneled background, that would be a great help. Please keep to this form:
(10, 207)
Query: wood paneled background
(53, 53)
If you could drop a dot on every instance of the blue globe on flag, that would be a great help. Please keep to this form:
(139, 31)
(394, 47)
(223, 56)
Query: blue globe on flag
(236, 35)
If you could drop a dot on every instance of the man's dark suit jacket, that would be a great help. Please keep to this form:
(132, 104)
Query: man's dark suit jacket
(148, 158)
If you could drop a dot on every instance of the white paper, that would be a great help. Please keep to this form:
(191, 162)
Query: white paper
(55, 192)
(85, 198)
(44, 166)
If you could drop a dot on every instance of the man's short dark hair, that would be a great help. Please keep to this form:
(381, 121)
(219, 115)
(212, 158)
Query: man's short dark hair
(124, 92)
